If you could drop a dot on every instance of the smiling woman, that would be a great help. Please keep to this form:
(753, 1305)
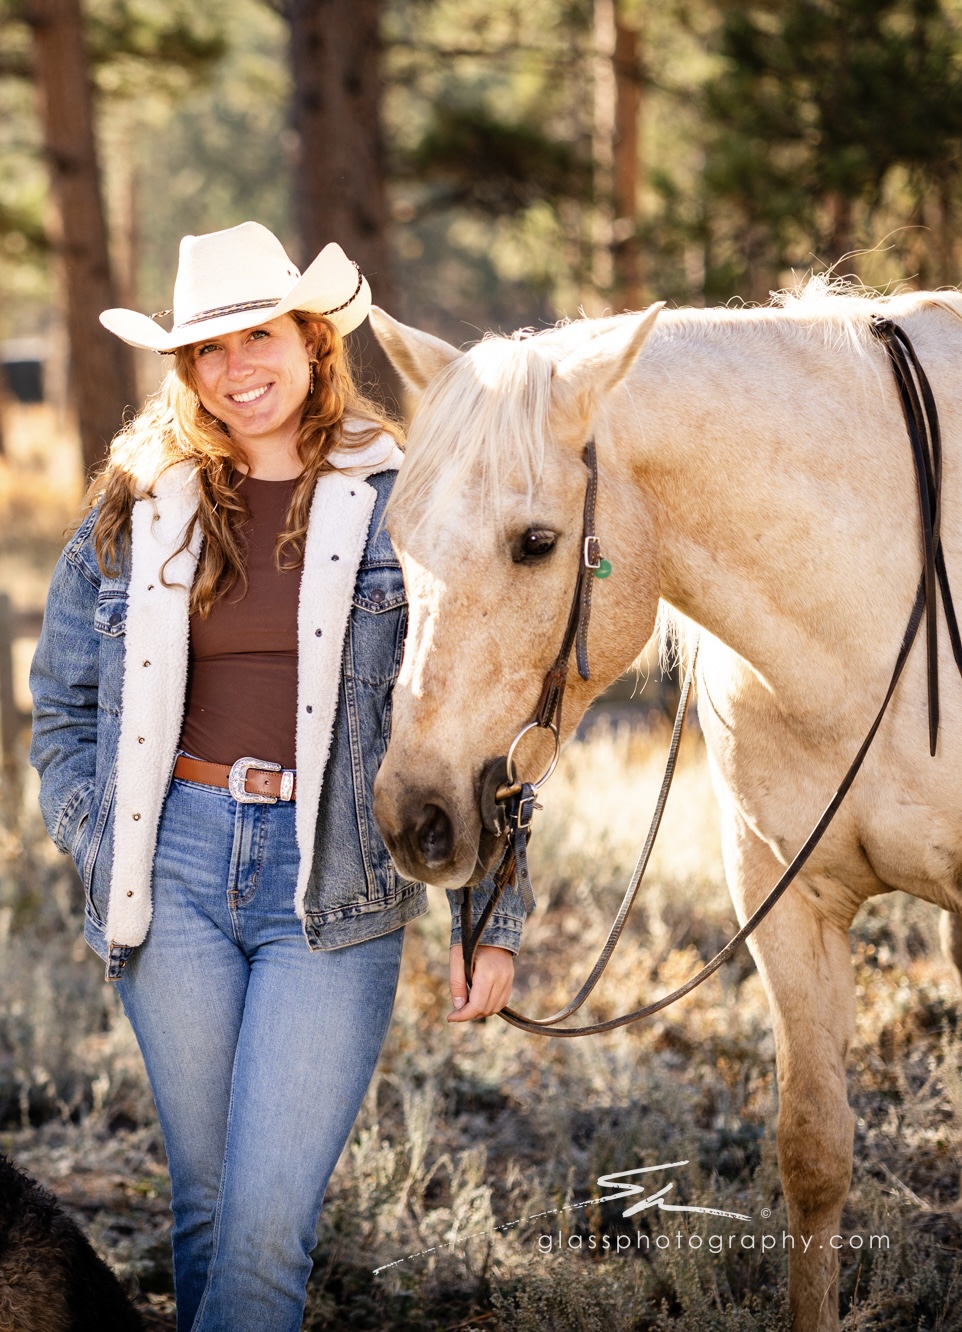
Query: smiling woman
(212, 693)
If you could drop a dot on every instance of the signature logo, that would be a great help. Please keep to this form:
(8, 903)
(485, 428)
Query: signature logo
(620, 1178)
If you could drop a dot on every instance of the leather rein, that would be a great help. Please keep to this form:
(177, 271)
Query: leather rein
(507, 804)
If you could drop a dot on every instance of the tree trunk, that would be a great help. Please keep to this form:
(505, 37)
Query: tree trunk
(839, 241)
(101, 366)
(602, 156)
(947, 272)
(626, 250)
(339, 188)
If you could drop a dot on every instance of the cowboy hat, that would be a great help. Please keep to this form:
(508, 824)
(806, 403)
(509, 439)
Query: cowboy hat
(231, 280)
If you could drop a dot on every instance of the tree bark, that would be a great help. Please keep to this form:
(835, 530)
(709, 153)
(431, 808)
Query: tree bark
(602, 156)
(101, 366)
(626, 250)
(947, 270)
(339, 187)
(839, 241)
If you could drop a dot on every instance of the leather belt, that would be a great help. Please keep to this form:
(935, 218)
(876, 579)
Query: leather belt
(251, 781)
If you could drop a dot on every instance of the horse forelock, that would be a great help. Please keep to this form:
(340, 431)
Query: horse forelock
(479, 430)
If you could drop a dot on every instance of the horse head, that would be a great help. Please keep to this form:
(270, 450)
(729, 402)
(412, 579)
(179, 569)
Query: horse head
(487, 520)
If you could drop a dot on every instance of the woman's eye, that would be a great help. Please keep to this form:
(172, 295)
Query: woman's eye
(206, 347)
(535, 544)
(259, 333)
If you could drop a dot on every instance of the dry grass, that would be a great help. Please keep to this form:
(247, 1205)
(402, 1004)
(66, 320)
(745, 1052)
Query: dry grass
(40, 487)
(469, 1135)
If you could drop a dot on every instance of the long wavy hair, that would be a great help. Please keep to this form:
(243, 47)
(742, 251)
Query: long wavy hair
(174, 427)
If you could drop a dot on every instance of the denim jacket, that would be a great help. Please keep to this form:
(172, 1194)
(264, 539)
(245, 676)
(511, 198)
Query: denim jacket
(109, 682)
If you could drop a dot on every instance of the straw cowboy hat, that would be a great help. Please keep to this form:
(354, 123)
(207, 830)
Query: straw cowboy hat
(231, 280)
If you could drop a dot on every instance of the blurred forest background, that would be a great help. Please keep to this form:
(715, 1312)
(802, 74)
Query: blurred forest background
(491, 164)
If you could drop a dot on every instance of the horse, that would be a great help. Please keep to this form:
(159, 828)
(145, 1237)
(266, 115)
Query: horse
(754, 478)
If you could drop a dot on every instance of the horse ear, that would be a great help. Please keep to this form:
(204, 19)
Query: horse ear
(416, 356)
(584, 376)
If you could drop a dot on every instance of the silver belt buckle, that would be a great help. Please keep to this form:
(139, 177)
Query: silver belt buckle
(237, 781)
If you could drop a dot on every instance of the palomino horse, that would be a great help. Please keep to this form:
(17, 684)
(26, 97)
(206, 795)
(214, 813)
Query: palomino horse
(755, 475)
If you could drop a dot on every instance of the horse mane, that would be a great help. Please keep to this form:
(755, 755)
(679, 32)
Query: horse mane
(486, 415)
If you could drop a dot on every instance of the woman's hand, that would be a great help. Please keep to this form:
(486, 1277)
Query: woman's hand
(490, 988)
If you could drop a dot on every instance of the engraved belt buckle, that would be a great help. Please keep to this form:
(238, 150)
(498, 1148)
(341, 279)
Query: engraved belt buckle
(237, 781)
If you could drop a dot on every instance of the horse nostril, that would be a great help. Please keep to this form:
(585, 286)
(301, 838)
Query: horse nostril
(435, 836)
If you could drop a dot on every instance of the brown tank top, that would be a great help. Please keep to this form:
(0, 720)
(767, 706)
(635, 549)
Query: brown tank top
(242, 674)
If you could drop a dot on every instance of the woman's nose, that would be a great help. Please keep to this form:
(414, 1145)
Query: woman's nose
(239, 362)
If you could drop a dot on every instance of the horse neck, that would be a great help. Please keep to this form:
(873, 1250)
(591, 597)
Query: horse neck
(757, 449)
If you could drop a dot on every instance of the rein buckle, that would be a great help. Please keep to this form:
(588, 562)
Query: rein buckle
(526, 808)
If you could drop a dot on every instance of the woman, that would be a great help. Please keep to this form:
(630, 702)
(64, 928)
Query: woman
(212, 701)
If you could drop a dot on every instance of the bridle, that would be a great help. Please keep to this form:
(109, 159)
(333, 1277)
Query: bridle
(507, 804)
(500, 783)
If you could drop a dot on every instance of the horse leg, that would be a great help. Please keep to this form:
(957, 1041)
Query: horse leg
(802, 953)
(950, 937)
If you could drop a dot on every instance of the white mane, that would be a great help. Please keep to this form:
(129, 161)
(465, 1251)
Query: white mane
(485, 418)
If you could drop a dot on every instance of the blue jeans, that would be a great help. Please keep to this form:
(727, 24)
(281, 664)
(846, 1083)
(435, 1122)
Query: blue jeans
(258, 1051)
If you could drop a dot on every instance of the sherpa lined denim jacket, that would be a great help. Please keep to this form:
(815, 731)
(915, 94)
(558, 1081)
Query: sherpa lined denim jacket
(109, 682)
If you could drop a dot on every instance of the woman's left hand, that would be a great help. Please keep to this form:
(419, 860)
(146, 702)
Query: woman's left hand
(490, 987)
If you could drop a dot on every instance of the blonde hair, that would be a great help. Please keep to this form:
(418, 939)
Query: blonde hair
(175, 427)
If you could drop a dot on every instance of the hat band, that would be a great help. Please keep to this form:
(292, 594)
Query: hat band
(352, 297)
(240, 308)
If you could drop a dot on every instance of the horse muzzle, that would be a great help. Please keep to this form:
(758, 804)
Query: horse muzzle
(428, 839)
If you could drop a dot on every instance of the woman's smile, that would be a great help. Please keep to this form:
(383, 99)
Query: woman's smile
(256, 381)
(250, 395)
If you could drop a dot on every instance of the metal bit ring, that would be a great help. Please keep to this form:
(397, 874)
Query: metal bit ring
(552, 764)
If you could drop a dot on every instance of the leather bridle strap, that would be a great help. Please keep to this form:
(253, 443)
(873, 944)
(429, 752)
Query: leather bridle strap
(548, 711)
(922, 424)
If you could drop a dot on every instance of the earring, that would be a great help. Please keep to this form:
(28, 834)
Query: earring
(310, 384)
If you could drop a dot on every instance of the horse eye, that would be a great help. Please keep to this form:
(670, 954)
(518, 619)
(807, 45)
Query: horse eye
(535, 544)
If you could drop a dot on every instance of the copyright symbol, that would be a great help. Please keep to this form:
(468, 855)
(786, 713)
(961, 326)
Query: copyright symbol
(766, 1213)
